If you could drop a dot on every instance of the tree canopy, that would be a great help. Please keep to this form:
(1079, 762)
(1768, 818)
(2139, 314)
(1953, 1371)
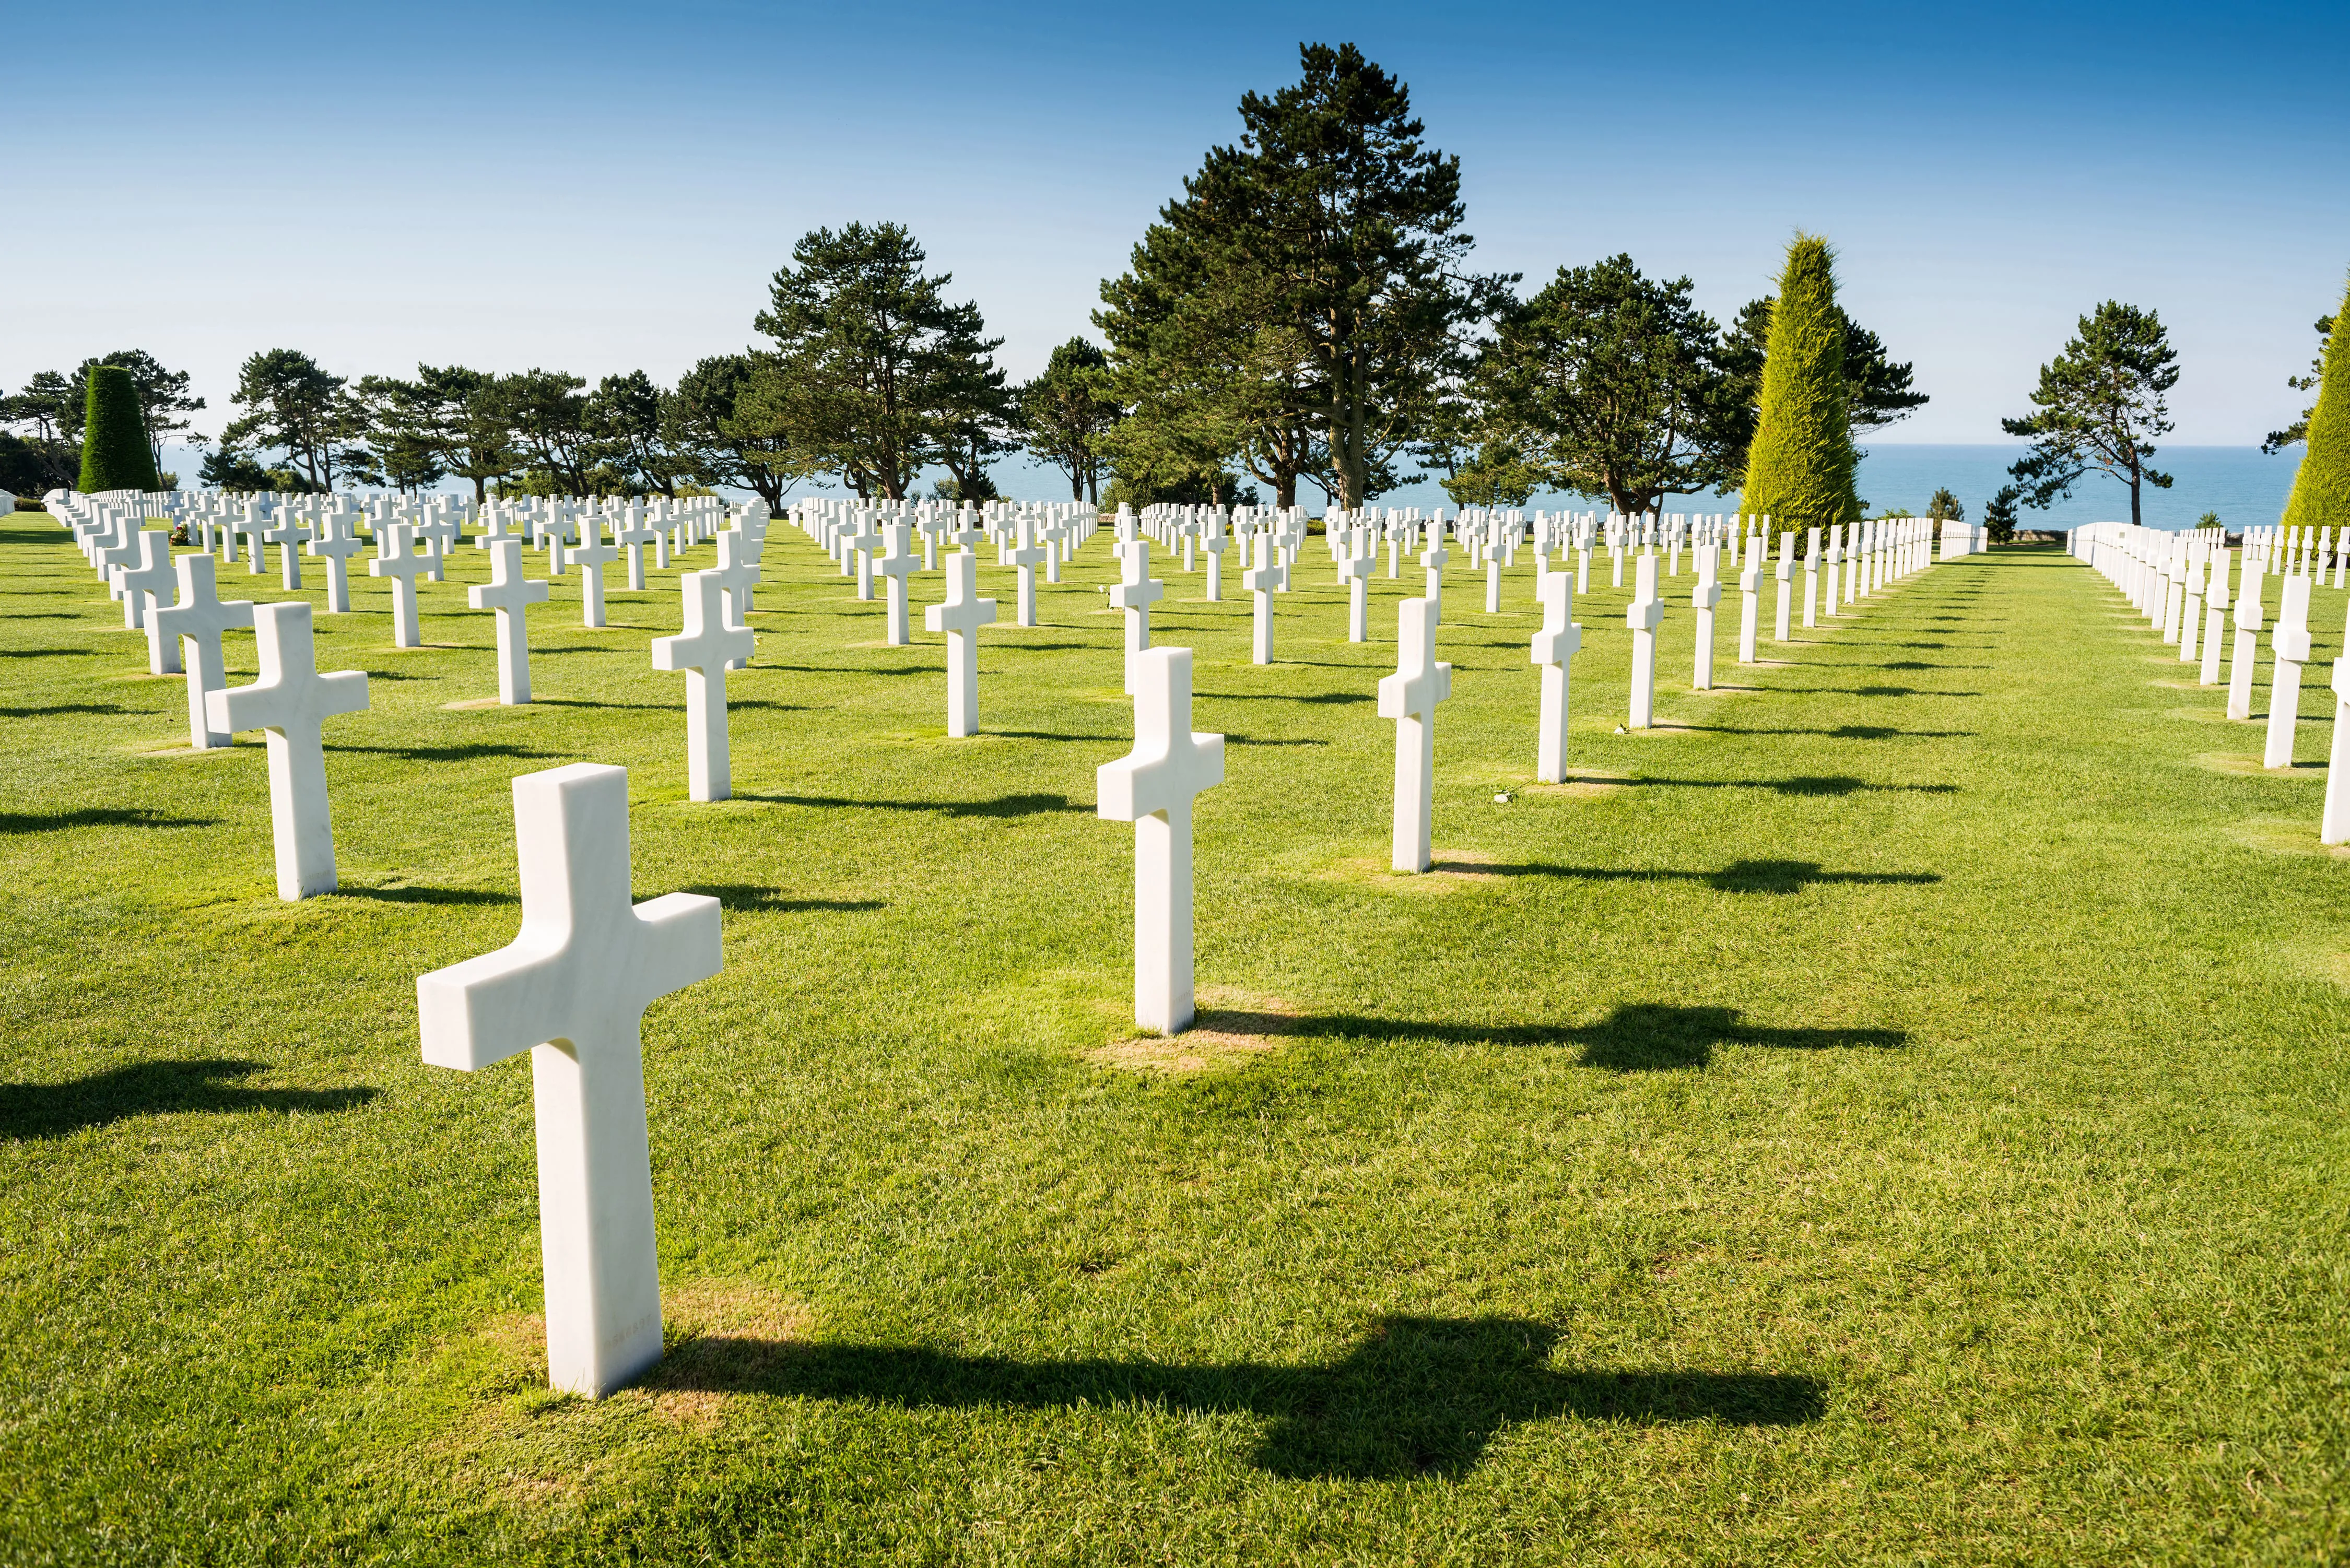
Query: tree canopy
(2097, 408)
(1800, 465)
(1607, 382)
(875, 373)
(1295, 310)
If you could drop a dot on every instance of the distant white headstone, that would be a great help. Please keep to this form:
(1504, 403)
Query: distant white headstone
(399, 561)
(509, 594)
(197, 619)
(1554, 647)
(2289, 646)
(289, 704)
(1410, 697)
(1152, 787)
(1643, 616)
(705, 651)
(961, 616)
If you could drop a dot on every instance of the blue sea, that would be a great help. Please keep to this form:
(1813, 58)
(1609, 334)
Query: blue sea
(2239, 482)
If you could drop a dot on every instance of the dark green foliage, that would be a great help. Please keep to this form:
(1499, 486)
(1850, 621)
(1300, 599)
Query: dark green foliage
(294, 405)
(1801, 465)
(1877, 391)
(728, 419)
(226, 468)
(2320, 489)
(1608, 383)
(2097, 408)
(1943, 506)
(875, 373)
(1497, 474)
(114, 451)
(1999, 517)
(21, 472)
(1298, 310)
(1067, 411)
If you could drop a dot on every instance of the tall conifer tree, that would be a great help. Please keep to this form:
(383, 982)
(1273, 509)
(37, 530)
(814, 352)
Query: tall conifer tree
(1800, 469)
(114, 451)
(2321, 490)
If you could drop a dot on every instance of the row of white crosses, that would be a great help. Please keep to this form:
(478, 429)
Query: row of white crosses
(291, 699)
(2168, 575)
(863, 536)
(573, 987)
(2303, 550)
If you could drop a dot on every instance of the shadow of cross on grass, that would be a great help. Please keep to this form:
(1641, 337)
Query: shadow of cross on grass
(1416, 1396)
(1646, 1036)
(1780, 876)
(152, 1088)
(1638, 1037)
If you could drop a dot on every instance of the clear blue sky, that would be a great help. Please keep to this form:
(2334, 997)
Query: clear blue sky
(599, 188)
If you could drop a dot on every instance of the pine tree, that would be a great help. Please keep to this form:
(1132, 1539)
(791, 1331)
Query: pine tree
(2321, 490)
(114, 451)
(1800, 470)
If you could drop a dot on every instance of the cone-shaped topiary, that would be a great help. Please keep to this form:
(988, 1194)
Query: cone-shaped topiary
(114, 451)
(2321, 490)
(1800, 468)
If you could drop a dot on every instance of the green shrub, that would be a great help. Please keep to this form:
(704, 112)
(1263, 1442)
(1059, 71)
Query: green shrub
(1801, 468)
(2321, 490)
(114, 451)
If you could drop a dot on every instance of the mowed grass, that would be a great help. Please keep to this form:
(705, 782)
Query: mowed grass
(1892, 1113)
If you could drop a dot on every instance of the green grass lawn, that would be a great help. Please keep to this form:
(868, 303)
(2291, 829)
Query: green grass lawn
(1894, 1112)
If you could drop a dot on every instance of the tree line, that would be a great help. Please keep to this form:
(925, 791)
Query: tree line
(1304, 312)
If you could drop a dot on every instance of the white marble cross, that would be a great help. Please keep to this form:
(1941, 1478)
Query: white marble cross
(1261, 580)
(337, 542)
(197, 620)
(399, 561)
(1702, 599)
(705, 651)
(289, 704)
(2215, 618)
(739, 575)
(507, 592)
(1433, 559)
(252, 525)
(861, 543)
(2248, 615)
(898, 563)
(1354, 571)
(1216, 543)
(116, 553)
(1027, 556)
(572, 989)
(286, 532)
(1410, 697)
(1643, 616)
(591, 556)
(635, 537)
(1786, 582)
(961, 616)
(2289, 645)
(1136, 592)
(1811, 577)
(1554, 647)
(149, 576)
(1152, 787)
(2333, 827)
